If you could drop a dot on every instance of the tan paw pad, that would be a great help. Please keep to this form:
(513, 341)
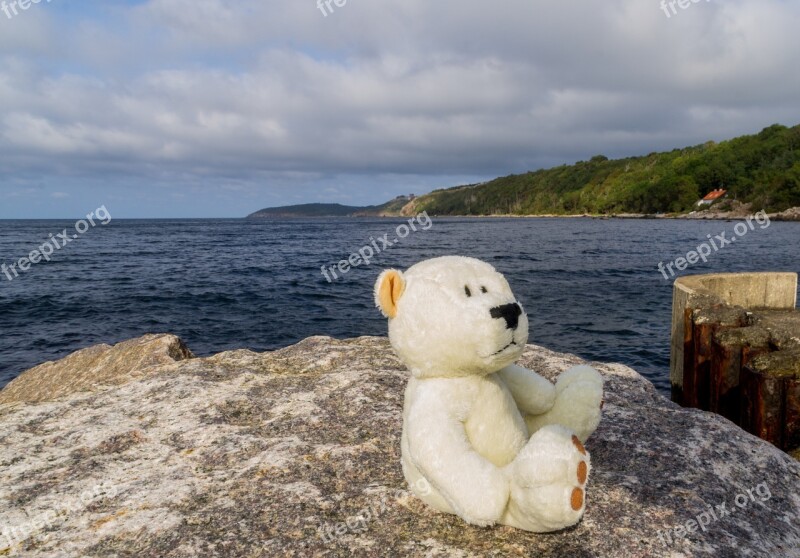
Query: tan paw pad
(578, 445)
(577, 499)
(583, 472)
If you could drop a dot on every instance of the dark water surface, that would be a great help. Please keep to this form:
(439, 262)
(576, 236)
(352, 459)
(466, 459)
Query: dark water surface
(591, 287)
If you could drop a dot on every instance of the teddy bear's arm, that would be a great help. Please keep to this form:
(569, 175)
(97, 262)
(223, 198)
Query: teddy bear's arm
(476, 489)
(533, 394)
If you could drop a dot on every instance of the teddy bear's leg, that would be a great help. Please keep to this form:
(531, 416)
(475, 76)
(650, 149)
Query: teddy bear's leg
(438, 446)
(579, 394)
(532, 393)
(548, 482)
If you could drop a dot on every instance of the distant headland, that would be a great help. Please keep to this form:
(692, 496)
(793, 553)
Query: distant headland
(725, 180)
(389, 209)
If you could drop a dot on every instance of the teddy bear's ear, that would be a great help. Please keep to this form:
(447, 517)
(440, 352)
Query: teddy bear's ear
(388, 290)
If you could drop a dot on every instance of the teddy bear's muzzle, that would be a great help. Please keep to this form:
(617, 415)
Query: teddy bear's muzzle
(509, 312)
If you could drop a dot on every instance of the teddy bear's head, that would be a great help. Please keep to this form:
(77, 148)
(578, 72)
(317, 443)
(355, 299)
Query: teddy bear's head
(452, 316)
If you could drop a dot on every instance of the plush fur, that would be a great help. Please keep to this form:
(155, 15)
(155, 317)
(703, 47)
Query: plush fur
(490, 441)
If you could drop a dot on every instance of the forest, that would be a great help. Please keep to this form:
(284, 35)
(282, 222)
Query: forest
(761, 169)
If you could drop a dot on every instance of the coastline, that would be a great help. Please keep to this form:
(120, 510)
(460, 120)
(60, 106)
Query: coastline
(792, 214)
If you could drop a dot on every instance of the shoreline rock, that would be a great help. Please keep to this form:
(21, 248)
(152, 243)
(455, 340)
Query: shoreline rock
(95, 366)
(296, 453)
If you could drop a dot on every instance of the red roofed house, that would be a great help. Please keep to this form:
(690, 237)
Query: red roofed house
(713, 196)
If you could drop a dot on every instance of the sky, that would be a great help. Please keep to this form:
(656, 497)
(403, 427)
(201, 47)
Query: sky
(218, 108)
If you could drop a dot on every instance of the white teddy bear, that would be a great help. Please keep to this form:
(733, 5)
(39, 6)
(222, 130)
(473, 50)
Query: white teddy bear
(492, 442)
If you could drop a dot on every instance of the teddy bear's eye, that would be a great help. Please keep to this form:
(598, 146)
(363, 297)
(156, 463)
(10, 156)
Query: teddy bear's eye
(484, 290)
(466, 290)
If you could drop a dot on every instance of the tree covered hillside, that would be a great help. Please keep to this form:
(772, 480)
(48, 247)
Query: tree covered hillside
(763, 169)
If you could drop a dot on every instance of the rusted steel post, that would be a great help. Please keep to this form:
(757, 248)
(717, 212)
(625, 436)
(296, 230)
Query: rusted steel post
(742, 364)
(791, 431)
(771, 398)
(707, 322)
(689, 382)
(762, 404)
(732, 349)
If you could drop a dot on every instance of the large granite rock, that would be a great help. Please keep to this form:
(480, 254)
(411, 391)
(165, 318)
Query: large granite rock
(297, 453)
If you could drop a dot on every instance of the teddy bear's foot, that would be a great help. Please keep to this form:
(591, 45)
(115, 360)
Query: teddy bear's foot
(579, 396)
(548, 482)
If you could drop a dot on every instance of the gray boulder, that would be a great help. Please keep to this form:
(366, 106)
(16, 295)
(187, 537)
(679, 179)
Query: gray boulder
(297, 453)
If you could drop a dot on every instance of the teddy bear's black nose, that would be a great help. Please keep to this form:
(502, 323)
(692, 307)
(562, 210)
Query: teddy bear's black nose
(509, 312)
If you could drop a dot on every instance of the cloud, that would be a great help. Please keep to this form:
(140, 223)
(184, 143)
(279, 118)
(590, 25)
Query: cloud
(254, 95)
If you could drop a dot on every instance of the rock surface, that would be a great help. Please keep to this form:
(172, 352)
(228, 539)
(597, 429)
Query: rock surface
(732, 209)
(96, 366)
(296, 453)
(791, 214)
